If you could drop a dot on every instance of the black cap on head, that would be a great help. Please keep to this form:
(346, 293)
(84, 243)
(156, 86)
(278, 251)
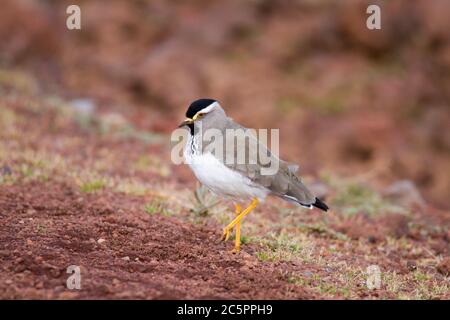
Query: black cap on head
(198, 105)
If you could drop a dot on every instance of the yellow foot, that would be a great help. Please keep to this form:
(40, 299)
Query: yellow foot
(237, 222)
(236, 250)
(226, 234)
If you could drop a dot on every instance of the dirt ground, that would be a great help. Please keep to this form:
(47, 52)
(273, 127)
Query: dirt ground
(47, 227)
(86, 177)
(77, 192)
(49, 224)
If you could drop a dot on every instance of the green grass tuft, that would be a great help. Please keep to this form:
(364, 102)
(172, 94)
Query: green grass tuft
(157, 207)
(92, 186)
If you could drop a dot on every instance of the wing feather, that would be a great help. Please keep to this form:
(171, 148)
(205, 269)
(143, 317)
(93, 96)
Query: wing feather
(284, 182)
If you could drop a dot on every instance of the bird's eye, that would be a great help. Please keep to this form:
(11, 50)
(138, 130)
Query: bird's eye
(200, 115)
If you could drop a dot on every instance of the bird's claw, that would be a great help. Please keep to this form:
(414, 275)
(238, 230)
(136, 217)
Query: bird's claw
(236, 250)
(226, 234)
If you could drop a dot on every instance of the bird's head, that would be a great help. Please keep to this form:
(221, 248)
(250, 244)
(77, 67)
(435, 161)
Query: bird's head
(204, 111)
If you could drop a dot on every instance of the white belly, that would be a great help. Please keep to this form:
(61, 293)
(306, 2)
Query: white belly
(222, 180)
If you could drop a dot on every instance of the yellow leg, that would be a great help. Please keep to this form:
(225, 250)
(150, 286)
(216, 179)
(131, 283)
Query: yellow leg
(236, 221)
(237, 241)
(237, 211)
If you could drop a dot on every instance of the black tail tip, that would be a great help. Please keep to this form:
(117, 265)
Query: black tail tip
(320, 204)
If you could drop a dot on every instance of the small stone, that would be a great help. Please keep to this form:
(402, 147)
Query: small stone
(100, 241)
(21, 221)
(84, 106)
(405, 193)
(136, 259)
(411, 265)
(5, 171)
(8, 281)
(126, 258)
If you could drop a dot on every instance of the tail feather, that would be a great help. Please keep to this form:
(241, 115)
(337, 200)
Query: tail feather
(320, 204)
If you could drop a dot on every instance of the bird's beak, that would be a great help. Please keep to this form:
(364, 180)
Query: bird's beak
(186, 122)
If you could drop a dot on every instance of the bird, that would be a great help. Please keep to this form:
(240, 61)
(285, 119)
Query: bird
(239, 181)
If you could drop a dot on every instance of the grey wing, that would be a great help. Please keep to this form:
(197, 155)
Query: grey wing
(258, 167)
(288, 185)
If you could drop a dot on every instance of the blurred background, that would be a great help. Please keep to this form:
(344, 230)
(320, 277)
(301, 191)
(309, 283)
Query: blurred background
(348, 100)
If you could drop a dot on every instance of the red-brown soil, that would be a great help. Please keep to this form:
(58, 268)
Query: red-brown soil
(46, 228)
(364, 113)
(50, 220)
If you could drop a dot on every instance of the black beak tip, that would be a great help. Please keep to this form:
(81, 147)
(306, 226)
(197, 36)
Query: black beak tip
(185, 123)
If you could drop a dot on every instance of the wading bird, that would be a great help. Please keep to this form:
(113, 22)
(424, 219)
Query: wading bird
(226, 176)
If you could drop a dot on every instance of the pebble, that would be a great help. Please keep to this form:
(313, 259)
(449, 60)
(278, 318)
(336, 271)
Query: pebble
(406, 193)
(126, 258)
(411, 265)
(5, 171)
(84, 106)
(100, 241)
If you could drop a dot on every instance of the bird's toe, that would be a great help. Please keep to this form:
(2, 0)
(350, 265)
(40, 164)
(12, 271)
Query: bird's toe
(226, 234)
(235, 250)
